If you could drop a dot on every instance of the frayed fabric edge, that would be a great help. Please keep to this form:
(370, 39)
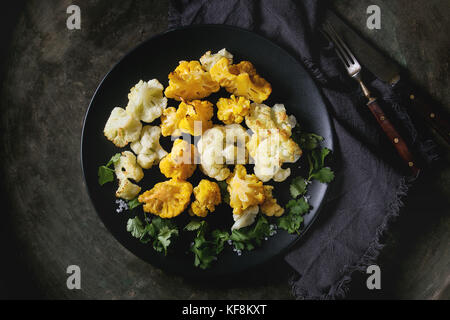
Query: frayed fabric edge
(341, 288)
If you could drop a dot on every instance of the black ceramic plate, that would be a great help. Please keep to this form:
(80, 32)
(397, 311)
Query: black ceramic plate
(157, 57)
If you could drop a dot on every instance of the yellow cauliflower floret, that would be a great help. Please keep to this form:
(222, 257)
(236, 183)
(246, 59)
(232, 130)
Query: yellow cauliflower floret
(241, 80)
(270, 207)
(232, 110)
(207, 197)
(167, 199)
(127, 168)
(146, 101)
(245, 190)
(196, 113)
(189, 81)
(121, 128)
(192, 117)
(169, 122)
(148, 149)
(180, 162)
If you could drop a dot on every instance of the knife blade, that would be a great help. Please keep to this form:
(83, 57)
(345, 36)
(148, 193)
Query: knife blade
(388, 71)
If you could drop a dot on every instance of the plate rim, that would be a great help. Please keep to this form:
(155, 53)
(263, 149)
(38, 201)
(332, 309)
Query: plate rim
(331, 141)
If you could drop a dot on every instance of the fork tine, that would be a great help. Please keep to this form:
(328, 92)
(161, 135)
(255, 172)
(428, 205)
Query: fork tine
(345, 48)
(338, 48)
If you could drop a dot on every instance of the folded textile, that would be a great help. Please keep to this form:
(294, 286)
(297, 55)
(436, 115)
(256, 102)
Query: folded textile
(370, 178)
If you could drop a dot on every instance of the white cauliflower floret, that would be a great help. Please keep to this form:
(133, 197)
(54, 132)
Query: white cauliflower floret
(269, 153)
(270, 145)
(127, 168)
(146, 101)
(127, 190)
(210, 148)
(148, 150)
(246, 218)
(222, 145)
(208, 59)
(121, 128)
(236, 138)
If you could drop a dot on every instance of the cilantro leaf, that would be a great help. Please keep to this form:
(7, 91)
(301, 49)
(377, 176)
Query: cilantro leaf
(105, 175)
(136, 227)
(291, 221)
(297, 187)
(133, 204)
(114, 159)
(193, 225)
(324, 175)
(159, 230)
(163, 241)
(249, 237)
(307, 141)
(219, 239)
(317, 169)
(206, 251)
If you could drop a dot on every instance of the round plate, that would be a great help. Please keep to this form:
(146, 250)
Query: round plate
(156, 58)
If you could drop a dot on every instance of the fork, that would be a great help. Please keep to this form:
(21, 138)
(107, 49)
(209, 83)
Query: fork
(354, 70)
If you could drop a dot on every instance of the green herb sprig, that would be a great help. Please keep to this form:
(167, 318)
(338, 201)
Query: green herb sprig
(105, 173)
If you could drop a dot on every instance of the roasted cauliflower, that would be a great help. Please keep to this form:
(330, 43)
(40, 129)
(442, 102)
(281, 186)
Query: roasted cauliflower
(127, 168)
(245, 190)
(241, 80)
(180, 163)
(262, 116)
(207, 197)
(232, 110)
(222, 145)
(148, 149)
(246, 218)
(146, 101)
(270, 144)
(169, 122)
(196, 113)
(127, 190)
(192, 117)
(270, 207)
(210, 149)
(189, 81)
(167, 199)
(208, 59)
(121, 128)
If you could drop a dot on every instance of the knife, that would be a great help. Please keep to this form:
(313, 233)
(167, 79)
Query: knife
(388, 71)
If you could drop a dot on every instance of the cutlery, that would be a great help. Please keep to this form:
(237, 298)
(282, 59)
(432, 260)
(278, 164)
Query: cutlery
(388, 71)
(354, 70)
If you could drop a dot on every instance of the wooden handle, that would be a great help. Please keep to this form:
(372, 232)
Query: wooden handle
(439, 121)
(393, 136)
